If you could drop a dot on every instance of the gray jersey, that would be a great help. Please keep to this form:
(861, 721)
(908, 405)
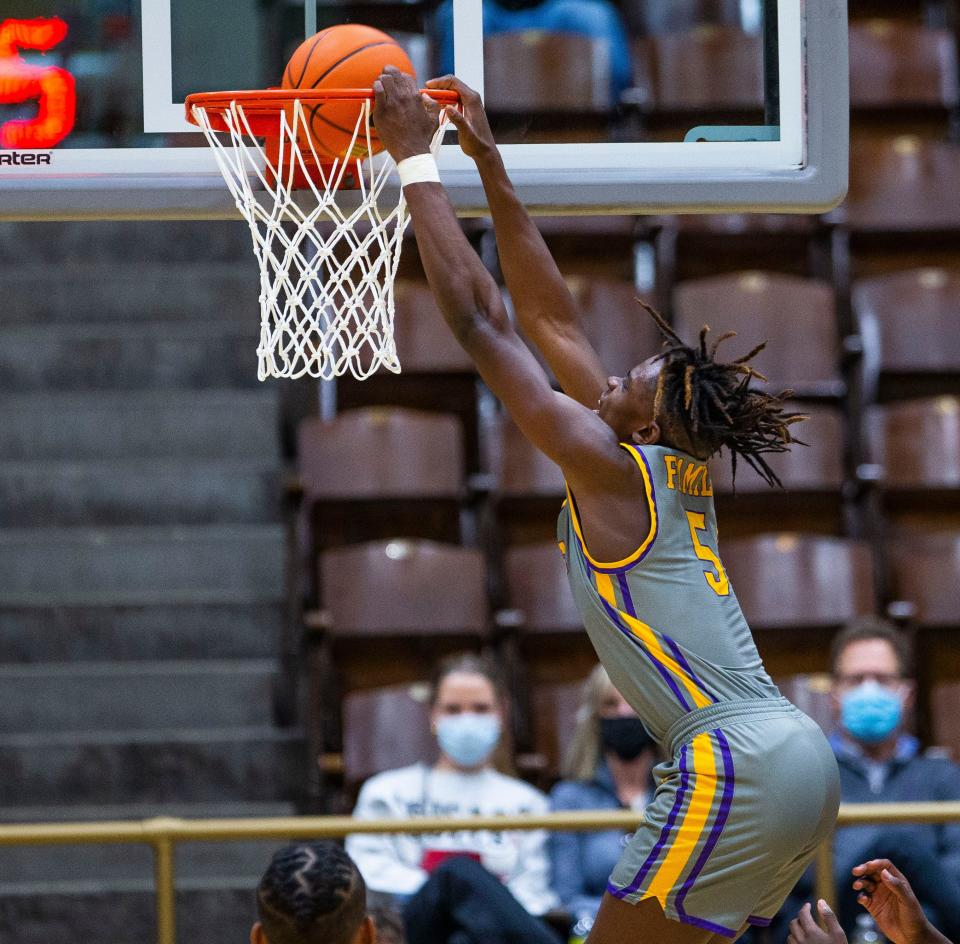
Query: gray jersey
(665, 621)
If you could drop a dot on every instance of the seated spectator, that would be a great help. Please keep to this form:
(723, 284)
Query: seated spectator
(608, 767)
(389, 924)
(478, 886)
(312, 893)
(879, 762)
(887, 896)
(597, 19)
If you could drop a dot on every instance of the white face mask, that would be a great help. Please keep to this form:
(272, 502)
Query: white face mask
(468, 739)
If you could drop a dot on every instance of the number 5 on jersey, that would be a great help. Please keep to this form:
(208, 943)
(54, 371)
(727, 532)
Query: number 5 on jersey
(717, 577)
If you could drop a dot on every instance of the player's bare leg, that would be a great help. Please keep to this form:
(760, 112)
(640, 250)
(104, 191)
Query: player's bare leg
(619, 922)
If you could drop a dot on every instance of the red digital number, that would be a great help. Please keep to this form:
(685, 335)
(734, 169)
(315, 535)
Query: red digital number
(53, 88)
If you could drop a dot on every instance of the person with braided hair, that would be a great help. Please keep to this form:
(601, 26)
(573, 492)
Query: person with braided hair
(751, 786)
(312, 893)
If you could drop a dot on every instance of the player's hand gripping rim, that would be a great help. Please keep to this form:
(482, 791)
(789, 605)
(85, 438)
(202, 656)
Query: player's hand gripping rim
(405, 117)
(473, 128)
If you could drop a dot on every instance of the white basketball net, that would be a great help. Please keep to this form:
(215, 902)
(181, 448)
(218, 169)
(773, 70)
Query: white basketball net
(326, 273)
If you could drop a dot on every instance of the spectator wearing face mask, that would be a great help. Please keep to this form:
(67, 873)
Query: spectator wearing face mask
(478, 886)
(880, 762)
(608, 767)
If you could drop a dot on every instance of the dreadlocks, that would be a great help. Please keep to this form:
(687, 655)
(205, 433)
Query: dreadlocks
(715, 404)
(312, 893)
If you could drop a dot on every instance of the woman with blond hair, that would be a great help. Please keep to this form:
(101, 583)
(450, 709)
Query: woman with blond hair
(607, 767)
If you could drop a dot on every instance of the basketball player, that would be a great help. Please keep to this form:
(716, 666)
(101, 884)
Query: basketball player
(312, 893)
(751, 788)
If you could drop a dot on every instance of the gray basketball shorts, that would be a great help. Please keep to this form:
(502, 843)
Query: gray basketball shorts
(750, 791)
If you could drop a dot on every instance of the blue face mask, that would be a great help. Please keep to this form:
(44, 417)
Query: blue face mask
(870, 712)
(468, 739)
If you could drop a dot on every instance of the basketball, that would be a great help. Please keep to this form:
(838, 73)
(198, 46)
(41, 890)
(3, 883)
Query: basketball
(342, 57)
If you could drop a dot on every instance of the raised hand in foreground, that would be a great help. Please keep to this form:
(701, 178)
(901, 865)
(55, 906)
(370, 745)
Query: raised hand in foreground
(887, 895)
(804, 930)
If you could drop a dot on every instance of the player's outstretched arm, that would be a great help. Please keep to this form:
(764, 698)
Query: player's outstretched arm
(545, 308)
(572, 435)
(887, 895)
(805, 930)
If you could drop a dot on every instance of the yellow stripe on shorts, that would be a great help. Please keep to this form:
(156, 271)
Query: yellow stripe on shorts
(695, 825)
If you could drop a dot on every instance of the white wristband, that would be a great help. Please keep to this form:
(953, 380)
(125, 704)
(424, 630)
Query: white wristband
(419, 169)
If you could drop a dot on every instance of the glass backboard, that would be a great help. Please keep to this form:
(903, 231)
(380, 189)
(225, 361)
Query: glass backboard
(633, 106)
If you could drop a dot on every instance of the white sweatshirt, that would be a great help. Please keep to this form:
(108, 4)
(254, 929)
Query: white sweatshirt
(391, 863)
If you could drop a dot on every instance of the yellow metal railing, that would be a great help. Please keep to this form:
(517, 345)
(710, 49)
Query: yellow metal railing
(163, 834)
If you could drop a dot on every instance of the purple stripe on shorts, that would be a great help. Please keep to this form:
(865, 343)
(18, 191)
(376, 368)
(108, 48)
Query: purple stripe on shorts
(707, 925)
(759, 922)
(664, 833)
(663, 670)
(722, 813)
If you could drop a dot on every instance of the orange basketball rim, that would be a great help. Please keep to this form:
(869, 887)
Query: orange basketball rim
(328, 259)
(262, 113)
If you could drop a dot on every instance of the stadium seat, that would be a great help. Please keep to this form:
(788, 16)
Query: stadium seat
(553, 228)
(538, 591)
(621, 332)
(542, 86)
(804, 349)
(425, 344)
(523, 470)
(902, 70)
(792, 580)
(588, 246)
(547, 646)
(619, 329)
(924, 568)
(901, 209)
(811, 499)
(901, 185)
(385, 728)
(925, 592)
(914, 470)
(917, 443)
(391, 608)
(436, 373)
(945, 712)
(811, 694)
(539, 71)
(380, 472)
(554, 717)
(814, 467)
(796, 590)
(528, 487)
(706, 71)
(695, 246)
(404, 588)
(650, 17)
(908, 322)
